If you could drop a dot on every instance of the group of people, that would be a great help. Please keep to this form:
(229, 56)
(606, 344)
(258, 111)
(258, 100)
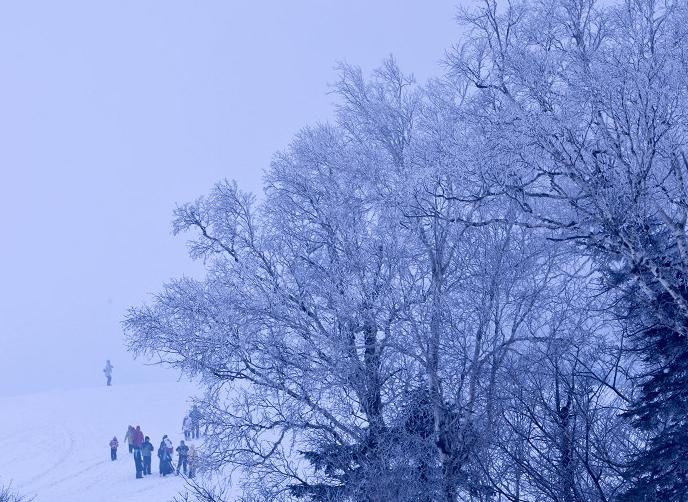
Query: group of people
(142, 449)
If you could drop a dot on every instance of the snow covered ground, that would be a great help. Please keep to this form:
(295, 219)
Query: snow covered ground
(55, 445)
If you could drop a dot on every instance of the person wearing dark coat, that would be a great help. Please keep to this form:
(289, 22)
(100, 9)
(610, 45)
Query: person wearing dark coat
(195, 416)
(161, 450)
(183, 452)
(138, 463)
(165, 458)
(147, 450)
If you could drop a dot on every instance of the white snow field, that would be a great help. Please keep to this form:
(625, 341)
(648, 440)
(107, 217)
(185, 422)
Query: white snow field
(55, 445)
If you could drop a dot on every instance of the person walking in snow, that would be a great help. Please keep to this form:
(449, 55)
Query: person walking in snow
(129, 438)
(195, 416)
(137, 440)
(161, 452)
(108, 372)
(168, 445)
(193, 459)
(186, 427)
(183, 452)
(147, 450)
(165, 458)
(113, 448)
(138, 462)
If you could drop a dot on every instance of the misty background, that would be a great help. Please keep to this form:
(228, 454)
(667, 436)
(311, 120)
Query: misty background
(112, 112)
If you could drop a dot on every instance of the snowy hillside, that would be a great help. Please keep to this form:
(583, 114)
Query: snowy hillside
(55, 445)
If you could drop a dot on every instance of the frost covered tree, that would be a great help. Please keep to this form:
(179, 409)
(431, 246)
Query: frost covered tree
(292, 326)
(372, 330)
(351, 330)
(581, 108)
(468, 290)
(473, 293)
(560, 435)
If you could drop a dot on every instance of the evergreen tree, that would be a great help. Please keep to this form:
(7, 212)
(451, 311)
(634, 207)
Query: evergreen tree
(660, 471)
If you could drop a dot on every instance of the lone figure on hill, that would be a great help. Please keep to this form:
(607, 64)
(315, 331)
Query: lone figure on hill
(108, 372)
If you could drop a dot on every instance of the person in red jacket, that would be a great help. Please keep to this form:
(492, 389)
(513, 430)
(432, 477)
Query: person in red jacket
(138, 459)
(138, 438)
(113, 448)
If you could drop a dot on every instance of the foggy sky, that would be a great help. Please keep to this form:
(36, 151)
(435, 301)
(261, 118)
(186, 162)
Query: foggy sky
(112, 112)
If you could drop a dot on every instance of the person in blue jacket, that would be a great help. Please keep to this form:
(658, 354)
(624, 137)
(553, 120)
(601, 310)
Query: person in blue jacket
(147, 450)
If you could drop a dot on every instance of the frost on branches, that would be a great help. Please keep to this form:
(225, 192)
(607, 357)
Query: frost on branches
(467, 290)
